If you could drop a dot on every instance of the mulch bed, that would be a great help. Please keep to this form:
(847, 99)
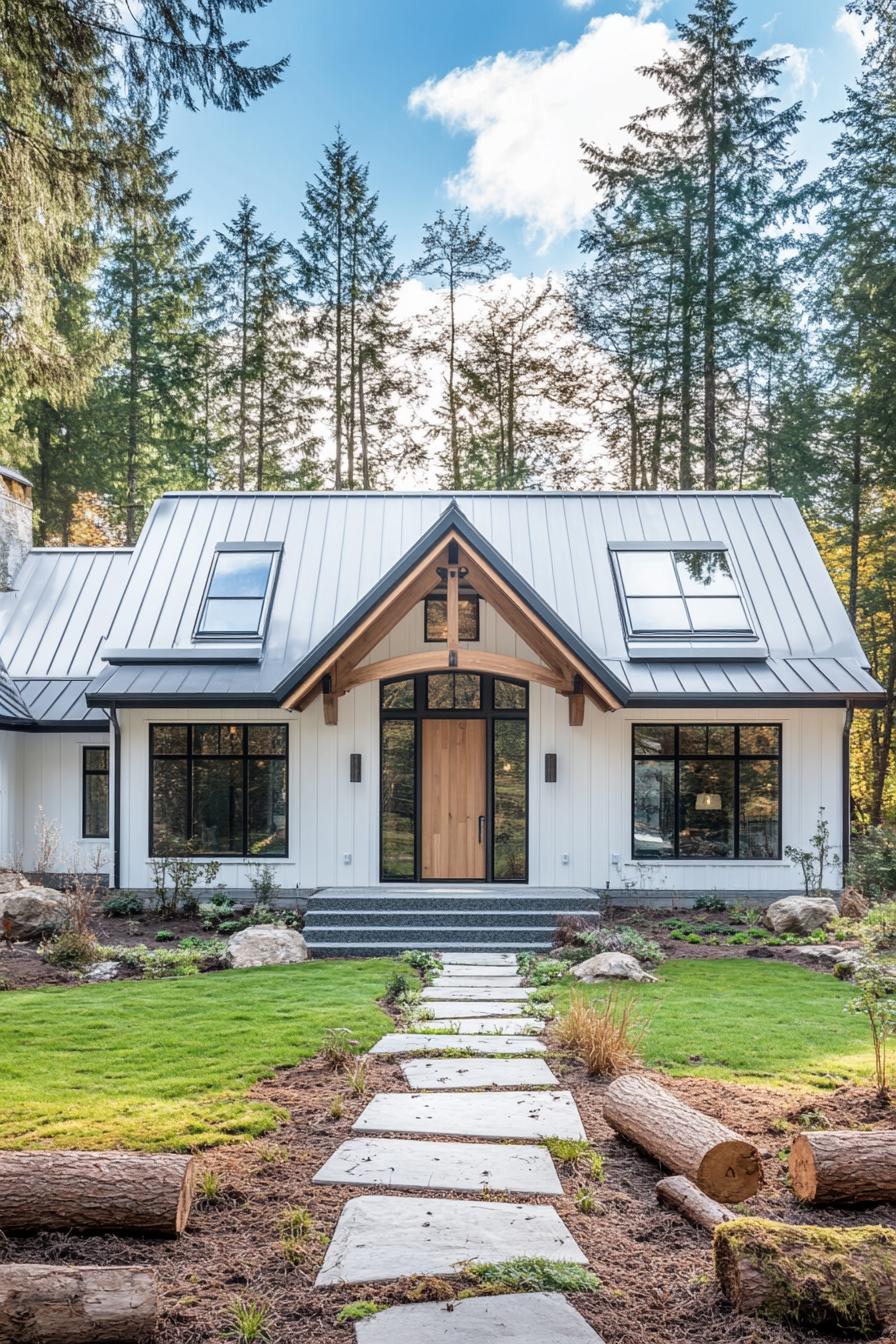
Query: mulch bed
(657, 1285)
(22, 967)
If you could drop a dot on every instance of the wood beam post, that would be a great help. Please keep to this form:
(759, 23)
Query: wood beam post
(453, 611)
(576, 709)
(331, 700)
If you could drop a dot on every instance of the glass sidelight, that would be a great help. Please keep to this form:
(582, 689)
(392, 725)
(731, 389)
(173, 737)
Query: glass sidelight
(399, 799)
(509, 785)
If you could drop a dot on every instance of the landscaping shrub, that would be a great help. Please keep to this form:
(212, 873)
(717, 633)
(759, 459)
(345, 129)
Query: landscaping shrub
(71, 950)
(813, 861)
(123, 905)
(589, 942)
(711, 902)
(605, 1035)
(175, 878)
(872, 864)
(876, 999)
(568, 927)
(199, 954)
(426, 964)
(164, 936)
(546, 972)
(263, 878)
(400, 986)
(339, 1047)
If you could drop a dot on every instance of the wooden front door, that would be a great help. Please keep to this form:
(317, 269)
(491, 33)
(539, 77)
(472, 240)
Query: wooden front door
(453, 840)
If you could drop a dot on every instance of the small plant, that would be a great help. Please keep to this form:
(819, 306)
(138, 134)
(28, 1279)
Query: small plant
(336, 1107)
(175, 878)
(339, 1047)
(296, 1221)
(812, 862)
(872, 864)
(566, 1151)
(123, 905)
(738, 939)
(605, 1036)
(532, 1274)
(164, 936)
(249, 1322)
(357, 1311)
(165, 962)
(70, 950)
(876, 999)
(356, 1077)
(215, 912)
(813, 1120)
(46, 843)
(426, 964)
(209, 1189)
(546, 972)
(710, 902)
(263, 880)
(399, 986)
(585, 1200)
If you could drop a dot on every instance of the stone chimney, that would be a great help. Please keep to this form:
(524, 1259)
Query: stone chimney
(16, 537)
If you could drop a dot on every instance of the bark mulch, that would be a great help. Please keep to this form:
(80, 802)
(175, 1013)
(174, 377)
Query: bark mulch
(657, 1285)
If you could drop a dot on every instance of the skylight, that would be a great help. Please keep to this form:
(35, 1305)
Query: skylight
(689, 593)
(238, 592)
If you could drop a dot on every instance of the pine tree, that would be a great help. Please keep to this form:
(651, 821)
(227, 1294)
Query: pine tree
(456, 255)
(236, 269)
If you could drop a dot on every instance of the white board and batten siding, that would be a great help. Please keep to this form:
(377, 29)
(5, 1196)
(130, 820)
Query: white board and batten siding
(576, 825)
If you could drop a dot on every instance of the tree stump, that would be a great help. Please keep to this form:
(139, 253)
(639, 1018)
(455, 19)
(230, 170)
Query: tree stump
(821, 1278)
(95, 1192)
(844, 1166)
(64, 1304)
(720, 1162)
(683, 1196)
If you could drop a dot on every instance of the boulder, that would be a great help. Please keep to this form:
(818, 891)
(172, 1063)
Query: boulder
(800, 914)
(103, 970)
(31, 914)
(11, 881)
(611, 966)
(824, 954)
(266, 945)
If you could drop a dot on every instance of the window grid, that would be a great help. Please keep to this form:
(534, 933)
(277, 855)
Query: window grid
(638, 631)
(190, 756)
(677, 756)
(468, 600)
(261, 600)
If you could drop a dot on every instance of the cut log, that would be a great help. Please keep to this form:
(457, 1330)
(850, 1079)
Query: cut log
(74, 1304)
(95, 1192)
(844, 1166)
(683, 1196)
(820, 1278)
(720, 1162)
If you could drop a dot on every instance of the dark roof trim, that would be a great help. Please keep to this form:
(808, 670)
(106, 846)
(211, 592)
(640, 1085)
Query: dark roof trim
(178, 657)
(54, 726)
(142, 700)
(781, 700)
(452, 520)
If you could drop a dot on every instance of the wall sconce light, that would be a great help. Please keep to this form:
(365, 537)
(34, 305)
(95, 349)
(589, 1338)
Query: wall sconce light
(709, 802)
(354, 767)
(550, 767)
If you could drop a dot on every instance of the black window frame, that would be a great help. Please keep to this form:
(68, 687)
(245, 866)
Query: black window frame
(486, 711)
(189, 756)
(747, 635)
(464, 595)
(272, 548)
(677, 756)
(89, 772)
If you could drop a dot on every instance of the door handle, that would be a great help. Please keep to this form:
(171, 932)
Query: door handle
(481, 825)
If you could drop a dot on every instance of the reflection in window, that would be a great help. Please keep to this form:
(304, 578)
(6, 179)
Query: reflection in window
(399, 791)
(682, 592)
(453, 690)
(219, 789)
(236, 595)
(397, 694)
(95, 793)
(706, 791)
(436, 618)
(510, 694)
(510, 799)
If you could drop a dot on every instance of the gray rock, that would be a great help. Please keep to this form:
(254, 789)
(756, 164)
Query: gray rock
(824, 954)
(413, 1043)
(512, 1318)
(31, 914)
(266, 945)
(611, 966)
(422, 1164)
(426, 1075)
(800, 914)
(11, 881)
(383, 1237)
(103, 970)
(474, 1115)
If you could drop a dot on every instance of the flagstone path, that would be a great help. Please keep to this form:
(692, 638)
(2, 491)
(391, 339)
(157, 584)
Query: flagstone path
(476, 1000)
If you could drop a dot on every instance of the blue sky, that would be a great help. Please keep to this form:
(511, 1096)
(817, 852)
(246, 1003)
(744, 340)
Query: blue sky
(504, 90)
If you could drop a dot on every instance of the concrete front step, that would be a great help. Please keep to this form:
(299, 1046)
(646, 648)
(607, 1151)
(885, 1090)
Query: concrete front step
(445, 919)
(367, 899)
(359, 946)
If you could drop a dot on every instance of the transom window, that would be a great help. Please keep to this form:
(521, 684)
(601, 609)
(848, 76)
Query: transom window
(239, 588)
(683, 592)
(435, 609)
(706, 791)
(218, 789)
(95, 793)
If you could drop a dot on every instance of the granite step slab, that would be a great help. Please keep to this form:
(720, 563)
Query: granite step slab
(480, 1026)
(384, 1237)
(417, 1043)
(512, 1318)
(425, 1075)
(479, 959)
(502, 1007)
(474, 1115)
(419, 1164)
(476, 972)
(471, 981)
(475, 993)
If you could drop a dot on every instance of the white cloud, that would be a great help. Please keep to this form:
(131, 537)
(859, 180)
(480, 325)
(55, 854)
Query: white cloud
(578, 4)
(528, 112)
(850, 25)
(796, 63)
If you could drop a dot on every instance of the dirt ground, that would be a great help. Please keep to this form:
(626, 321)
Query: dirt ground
(22, 967)
(655, 1270)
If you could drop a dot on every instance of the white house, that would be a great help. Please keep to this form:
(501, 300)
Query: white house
(624, 692)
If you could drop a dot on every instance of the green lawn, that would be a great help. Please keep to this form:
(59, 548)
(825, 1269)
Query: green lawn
(167, 1063)
(751, 1021)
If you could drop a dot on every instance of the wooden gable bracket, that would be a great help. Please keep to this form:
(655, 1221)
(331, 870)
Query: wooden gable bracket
(559, 668)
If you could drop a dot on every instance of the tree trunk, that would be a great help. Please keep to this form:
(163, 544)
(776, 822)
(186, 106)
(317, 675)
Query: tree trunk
(844, 1166)
(133, 397)
(244, 360)
(817, 1278)
(709, 327)
(362, 425)
(689, 1143)
(855, 523)
(76, 1304)
(262, 427)
(111, 1192)
(44, 452)
(685, 467)
(881, 758)
(684, 1197)
(337, 481)
(452, 407)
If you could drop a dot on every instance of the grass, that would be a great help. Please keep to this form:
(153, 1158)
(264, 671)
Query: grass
(749, 1021)
(165, 1064)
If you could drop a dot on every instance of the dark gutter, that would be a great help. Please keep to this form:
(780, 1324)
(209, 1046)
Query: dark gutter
(116, 798)
(822, 700)
(846, 790)
(453, 519)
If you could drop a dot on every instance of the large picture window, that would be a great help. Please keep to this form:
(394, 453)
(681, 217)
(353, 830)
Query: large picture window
(219, 790)
(706, 791)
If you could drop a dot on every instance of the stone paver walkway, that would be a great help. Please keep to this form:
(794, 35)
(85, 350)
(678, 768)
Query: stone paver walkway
(477, 1002)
